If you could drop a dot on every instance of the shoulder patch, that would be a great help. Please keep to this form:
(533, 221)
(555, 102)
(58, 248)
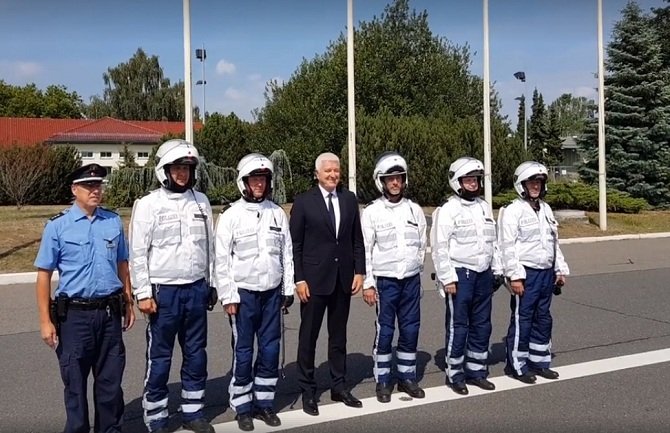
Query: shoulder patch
(60, 214)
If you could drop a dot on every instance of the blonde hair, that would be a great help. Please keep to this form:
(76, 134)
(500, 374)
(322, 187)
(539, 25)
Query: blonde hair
(326, 156)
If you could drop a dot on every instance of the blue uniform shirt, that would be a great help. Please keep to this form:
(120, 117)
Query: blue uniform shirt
(85, 251)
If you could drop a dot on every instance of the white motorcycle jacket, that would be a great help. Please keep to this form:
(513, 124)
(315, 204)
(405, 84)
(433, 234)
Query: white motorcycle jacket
(253, 250)
(171, 240)
(463, 235)
(529, 238)
(395, 239)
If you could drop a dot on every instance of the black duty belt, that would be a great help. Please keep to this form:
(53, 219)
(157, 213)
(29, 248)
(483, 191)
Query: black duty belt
(111, 301)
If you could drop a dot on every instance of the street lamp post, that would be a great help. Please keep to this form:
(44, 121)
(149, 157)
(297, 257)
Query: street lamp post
(201, 54)
(521, 76)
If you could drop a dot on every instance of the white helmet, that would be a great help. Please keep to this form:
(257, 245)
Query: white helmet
(529, 170)
(254, 164)
(389, 163)
(462, 167)
(176, 152)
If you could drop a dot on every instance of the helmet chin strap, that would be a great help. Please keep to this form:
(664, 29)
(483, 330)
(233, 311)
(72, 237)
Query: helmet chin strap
(252, 199)
(469, 195)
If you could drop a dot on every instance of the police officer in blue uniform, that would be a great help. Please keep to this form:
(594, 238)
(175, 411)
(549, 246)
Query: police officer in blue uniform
(92, 305)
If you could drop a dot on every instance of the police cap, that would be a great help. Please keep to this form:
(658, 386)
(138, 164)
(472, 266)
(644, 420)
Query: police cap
(87, 173)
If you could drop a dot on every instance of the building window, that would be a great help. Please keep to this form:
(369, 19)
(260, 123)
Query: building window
(105, 154)
(85, 155)
(142, 155)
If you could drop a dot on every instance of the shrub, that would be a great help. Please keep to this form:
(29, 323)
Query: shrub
(578, 195)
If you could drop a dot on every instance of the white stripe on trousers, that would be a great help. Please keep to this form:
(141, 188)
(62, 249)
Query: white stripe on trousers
(517, 363)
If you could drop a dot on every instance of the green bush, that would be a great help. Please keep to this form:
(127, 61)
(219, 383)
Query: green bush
(219, 195)
(578, 195)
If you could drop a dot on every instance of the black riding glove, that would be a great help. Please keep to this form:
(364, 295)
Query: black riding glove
(286, 302)
(212, 299)
(498, 281)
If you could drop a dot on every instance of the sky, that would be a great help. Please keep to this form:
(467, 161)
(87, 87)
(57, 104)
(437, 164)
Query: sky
(250, 42)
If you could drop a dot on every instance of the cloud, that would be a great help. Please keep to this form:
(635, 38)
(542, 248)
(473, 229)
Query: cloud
(234, 94)
(223, 68)
(21, 71)
(28, 69)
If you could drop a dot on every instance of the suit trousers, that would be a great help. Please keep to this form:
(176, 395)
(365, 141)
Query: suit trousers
(311, 317)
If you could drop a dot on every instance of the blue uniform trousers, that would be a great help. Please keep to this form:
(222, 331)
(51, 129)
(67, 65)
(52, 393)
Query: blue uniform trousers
(182, 313)
(258, 319)
(529, 335)
(468, 326)
(91, 340)
(399, 299)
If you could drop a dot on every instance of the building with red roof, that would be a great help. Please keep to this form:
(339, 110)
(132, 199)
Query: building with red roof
(98, 141)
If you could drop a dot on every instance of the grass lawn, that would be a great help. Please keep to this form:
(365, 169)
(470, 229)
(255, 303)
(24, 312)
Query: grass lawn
(22, 230)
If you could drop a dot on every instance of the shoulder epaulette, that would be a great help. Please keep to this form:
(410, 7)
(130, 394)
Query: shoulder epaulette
(108, 210)
(60, 214)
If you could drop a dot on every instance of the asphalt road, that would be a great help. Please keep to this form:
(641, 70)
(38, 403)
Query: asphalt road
(615, 303)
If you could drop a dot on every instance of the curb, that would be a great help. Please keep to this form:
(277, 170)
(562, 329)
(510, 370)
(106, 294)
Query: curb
(30, 277)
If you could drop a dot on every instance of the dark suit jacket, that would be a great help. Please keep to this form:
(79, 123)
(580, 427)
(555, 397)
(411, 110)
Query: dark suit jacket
(318, 256)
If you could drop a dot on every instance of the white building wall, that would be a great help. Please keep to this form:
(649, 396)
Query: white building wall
(96, 152)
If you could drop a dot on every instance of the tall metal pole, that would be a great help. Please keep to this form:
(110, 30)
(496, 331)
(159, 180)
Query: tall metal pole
(602, 179)
(188, 103)
(351, 106)
(487, 110)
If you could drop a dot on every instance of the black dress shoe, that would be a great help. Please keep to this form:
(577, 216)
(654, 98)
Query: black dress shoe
(245, 422)
(527, 377)
(161, 430)
(309, 406)
(200, 425)
(547, 373)
(460, 388)
(383, 391)
(346, 398)
(482, 383)
(268, 416)
(411, 388)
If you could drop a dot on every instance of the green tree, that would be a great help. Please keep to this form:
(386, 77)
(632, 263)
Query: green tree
(138, 90)
(402, 71)
(224, 140)
(29, 101)
(53, 187)
(61, 104)
(521, 117)
(572, 113)
(97, 108)
(553, 150)
(127, 158)
(661, 23)
(537, 128)
(637, 112)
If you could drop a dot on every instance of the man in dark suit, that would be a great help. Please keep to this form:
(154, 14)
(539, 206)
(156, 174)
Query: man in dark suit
(329, 258)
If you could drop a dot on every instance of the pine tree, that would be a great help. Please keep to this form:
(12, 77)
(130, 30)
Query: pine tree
(537, 130)
(637, 113)
(553, 157)
(521, 117)
(127, 158)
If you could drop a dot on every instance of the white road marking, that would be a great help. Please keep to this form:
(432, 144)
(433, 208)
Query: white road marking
(337, 411)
